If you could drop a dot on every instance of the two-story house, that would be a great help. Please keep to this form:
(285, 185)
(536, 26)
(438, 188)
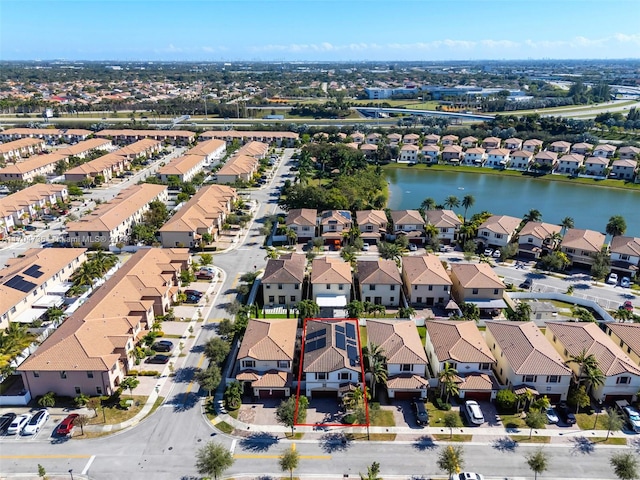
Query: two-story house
(498, 158)
(380, 282)
(449, 140)
(477, 283)
(431, 153)
(461, 346)
(331, 283)
(596, 166)
(520, 160)
(605, 150)
(332, 225)
(582, 148)
(411, 139)
(624, 169)
(409, 223)
(581, 245)
(447, 223)
(409, 153)
(425, 280)
(533, 145)
(627, 337)
(622, 376)
(373, 138)
(431, 139)
(265, 358)
(625, 255)
(560, 147)
(475, 156)
(513, 144)
(394, 138)
(546, 159)
(629, 153)
(526, 361)
(452, 154)
(536, 238)
(570, 164)
(282, 280)
(303, 222)
(497, 230)
(372, 225)
(469, 142)
(491, 143)
(405, 358)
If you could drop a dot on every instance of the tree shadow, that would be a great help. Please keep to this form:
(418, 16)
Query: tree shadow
(59, 439)
(259, 442)
(184, 401)
(582, 445)
(423, 443)
(184, 374)
(505, 444)
(334, 442)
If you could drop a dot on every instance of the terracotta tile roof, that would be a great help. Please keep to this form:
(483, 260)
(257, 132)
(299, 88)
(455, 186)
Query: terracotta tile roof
(424, 270)
(302, 216)
(572, 158)
(533, 141)
(288, 269)
(411, 136)
(526, 349)
(253, 149)
(453, 138)
(248, 134)
(629, 150)
(476, 275)
(626, 245)
(33, 163)
(409, 147)
(442, 218)
(330, 357)
(160, 134)
(139, 147)
(369, 147)
(247, 376)
(597, 161)
(181, 165)
(469, 140)
(561, 144)
(399, 341)
(97, 166)
(539, 230)
(407, 382)
(491, 140)
(203, 210)
(239, 165)
(522, 153)
(406, 217)
(378, 272)
(475, 151)
(330, 270)
(85, 146)
(272, 379)
(18, 144)
(207, 147)
(576, 337)
(629, 333)
(29, 196)
(376, 217)
(607, 147)
(432, 137)
(458, 342)
(587, 240)
(431, 148)
(581, 146)
(546, 156)
(499, 152)
(452, 149)
(503, 224)
(625, 163)
(45, 131)
(477, 382)
(269, 339)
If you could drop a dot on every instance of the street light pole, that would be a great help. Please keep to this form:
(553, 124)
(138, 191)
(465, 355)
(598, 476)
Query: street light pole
(71, 473)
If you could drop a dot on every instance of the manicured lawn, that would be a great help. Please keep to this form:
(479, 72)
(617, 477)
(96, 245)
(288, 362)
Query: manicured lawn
(422, 331)
(294, 436)
(224, 427)
(234, 413)
(586, 421)
(114, 414)
(436, 416)
(454, 438)
(609, 441)
(526, 439)
(383, 418)
(513, 421)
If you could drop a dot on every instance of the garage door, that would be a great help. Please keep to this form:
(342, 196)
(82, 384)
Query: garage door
(399, 395)
(555, 398)
(266, 393)
(324, 393)
(611, 399)
(480, 396)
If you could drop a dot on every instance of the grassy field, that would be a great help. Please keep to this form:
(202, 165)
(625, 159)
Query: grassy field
(384, 418)
(422, 331)
(513, 421)
(609, 441)
(571, 108)
(526, 439)
(586, 421)
(224, 427)
(454, 438)
(114, 414)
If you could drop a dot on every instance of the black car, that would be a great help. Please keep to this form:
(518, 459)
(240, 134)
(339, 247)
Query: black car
(526, 284)
(162, 346)
(158, 359)
(194, 293)
(30, 228)
(420, 410)
(192, 299)
(566, 414)
(5, 421)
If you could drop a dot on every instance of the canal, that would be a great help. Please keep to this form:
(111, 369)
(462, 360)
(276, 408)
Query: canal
(590, 207)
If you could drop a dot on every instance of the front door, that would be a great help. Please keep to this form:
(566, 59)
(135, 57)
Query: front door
(282, 299)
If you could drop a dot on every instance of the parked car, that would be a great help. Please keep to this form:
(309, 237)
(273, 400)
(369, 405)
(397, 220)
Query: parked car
(497, 253)
(630, 414)
(552, 415)
(565, 413)
(473, 413)
(625, 282)
(162, 346)
(413, 247)
(627, 306)
(158, 359)
(195, 293)
(420, 410)
(18, 424)
(488, 252)
(192, 299)
(36, 422)
(466, 476)
(66, 426)
(30, 228)
(365, 247)
(613, 279)
(49, 218)
(526, 284)
(205, 273)
(6, 420)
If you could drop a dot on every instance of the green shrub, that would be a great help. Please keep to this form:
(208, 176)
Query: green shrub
(149, 373)
(506, 400)
(349, 418)
(132, 373)
(442, 405)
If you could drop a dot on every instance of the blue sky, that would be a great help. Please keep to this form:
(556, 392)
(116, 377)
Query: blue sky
(214, 30)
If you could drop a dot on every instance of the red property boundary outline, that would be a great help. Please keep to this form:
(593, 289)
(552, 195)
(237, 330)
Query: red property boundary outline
(362, 384)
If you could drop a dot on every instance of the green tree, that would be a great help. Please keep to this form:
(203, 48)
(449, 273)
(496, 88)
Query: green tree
(289, 460)
(579, 397)
(81, 421)
(390, 251)
(42, 472)
(601, 264)
(616, 226)
(355, 309)
(467, 202)
(625, 465)
(522, 313)
(213, 460)
(451, 202)
(506, 400)
(428, 204)
(584, 360)
(451, 421)
(450, 459)
(130, 383)
(233, 395)
(406, 312)
(373, 472)
(614, 421)
(535, 419)
(209, 378)
(47, 400)
(532, 215)
(80, 400)
(447, 377)
(566, 223)
(307, 309)
(538, 462)
(286, 411)
(206, 259)
(216, 350)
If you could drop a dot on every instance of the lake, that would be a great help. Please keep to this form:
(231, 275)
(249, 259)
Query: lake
(590, 207)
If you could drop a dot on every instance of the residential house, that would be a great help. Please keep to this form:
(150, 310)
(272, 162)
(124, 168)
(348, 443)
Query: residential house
(28, 204)
(477, 283)
(409, 153)
(405, 358)
(475, 156)
(238, 168)
(50, 135)
(303, 222)
(580, 246)
(498, 230)
(498, 158)
(627, 337)
(34, 281)
(184, 168)
(625, 255)
(581, 148)
(629, 153)
(536, 238)
(447, 223)
(373, 139)
(84, 148)
(92, 351)
(369, 150)
(331, 358)
(99, 170)
(520, 160)
(411, 139)
(147, 147)
(461, 346)
(357, 137)
(18, 149)
(204, 213)
(452, 154)
(380, 282)
(41, 165)
(265, 357)
(605, 150)
(624, 169)
(254, 149)
(596, 166)
(448, 140)
(560, 147)
(431, 139)
(526, 361)
(430, 153)
(332, 225)
(125, 136)
(532, 145)
(546, 160)
(282, 280)
(513, 144)
(409, 223)
(394, 138)
(570, 163)
(279, 139)
(469, 142)
(491, 143)
(112, 222)
(331, 285)
(372, 225)
(426, 281)
(622, 375)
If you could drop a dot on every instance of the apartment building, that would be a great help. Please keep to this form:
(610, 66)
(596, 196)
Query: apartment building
(280, 139)
(26, 205)
(183, 168)
(18, 149)
(32, 167)
(84, 148)
(105, 167)
(125, 137)
(50, 135)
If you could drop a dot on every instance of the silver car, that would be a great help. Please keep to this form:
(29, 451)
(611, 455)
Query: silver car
(473, 412)
(633, 418)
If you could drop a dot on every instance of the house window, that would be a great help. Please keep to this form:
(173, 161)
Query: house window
(89, 374)
(63, 374)
(279, 286)
(340, 286)
(419, 300)
(345, 376)
(405, 367)
(485, 366)
(36, 374)
(78, 391)
(99, 390)
(268, 286)
(328, 286)
(485, 234)
(292, 298)
(528, 378)
(321, 376)
(248, 363)
(415, 287)
(430, 288)
(475, 291)
(392, 288)
(623, 380)
(553, 379)
(498, 235)
(296, 287)
(372, 287)
(495, 291)
(272, 298)
(283, 363)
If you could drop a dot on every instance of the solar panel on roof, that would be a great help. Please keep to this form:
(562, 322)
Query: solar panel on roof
(34, 271)
(321, 342)
(351, 330)
(340, 328)
(340, 343)
(18, 282)
(352, 353)
(312, 335)
(310, 346)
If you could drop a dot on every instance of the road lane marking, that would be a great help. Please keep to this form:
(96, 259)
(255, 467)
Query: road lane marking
(6, 457)
(258, 456)
(86, 467)
(233, 445)
(293, 447)
(190, 386)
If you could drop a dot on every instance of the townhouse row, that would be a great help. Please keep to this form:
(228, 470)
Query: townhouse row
(23, 207)
(243, 165)
(187, 166)
(16, 150)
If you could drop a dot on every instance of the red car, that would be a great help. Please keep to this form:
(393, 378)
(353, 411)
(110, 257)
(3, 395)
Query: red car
(66, 426)
(628, 306)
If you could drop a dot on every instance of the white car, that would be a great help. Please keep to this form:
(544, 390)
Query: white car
(633, 418)
(18, 424)
(36, 422)
(613, 279)
(412, 247)
(466, 476)
(488, 252)
(473, 412)
(625, 282)
(365, 247)
(497, 253)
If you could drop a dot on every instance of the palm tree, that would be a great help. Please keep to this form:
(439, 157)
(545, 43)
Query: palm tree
(467, 202)
(566, 223)
(616, 226)
(355, 309)
(85, 275)
(103, 262)
(406, 312)
(585, 361)
(272, 253)
(554, 239)
(532, 216)
(431, 230)
(428, 204)
(391, 251)
(378, 371)
(452, 202)
(447, 377)
(593, 378)
(291, 235)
